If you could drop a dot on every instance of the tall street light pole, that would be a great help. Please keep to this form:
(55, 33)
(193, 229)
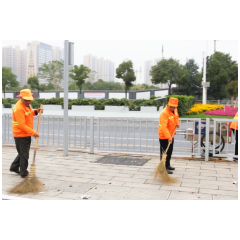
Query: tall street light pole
(204, 97)
(215, 45)
(65, 130)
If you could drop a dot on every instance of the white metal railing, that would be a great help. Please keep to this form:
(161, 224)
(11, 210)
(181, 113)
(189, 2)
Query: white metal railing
(223, 138)
(194, 137)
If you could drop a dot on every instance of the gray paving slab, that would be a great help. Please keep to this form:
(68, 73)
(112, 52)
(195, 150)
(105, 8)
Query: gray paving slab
(197, 179)
(226, 179)
(199, 185)
(176, 195)
(180, 189)
(141, 185)
(147, 194)
(218, 192)
(223, 197)
(105, 191)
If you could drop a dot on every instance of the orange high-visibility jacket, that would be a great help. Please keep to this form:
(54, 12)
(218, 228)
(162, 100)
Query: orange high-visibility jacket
(233, 124)
(22, 120)
(167, 123)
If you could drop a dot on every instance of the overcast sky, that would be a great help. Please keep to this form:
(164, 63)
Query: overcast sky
(141, 50)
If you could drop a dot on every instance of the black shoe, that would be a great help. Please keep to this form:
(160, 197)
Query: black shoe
(16, 171)
(235, 159)
(169, 172)
(24, 176)
(170, 168)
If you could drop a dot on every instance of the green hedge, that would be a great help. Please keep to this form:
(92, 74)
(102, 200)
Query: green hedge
(185, 103)
(99, 104)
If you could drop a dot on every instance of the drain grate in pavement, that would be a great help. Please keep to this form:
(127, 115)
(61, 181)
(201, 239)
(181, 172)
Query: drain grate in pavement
(123, 161)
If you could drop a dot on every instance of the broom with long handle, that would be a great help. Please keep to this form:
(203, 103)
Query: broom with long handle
(161, 170)
(31, 183)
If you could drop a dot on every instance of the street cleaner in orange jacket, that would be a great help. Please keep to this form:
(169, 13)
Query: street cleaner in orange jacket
(168, 122)
(22, 127)
(234, 127)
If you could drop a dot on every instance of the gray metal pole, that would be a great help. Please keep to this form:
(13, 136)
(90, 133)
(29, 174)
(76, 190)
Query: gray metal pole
(66, 60)
(204, 97)
(91, 135)
(207, 140)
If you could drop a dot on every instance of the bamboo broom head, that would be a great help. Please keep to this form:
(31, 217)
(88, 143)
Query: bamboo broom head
(30, 184)
(161, 172)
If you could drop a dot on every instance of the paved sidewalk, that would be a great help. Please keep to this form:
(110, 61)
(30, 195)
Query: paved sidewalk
(68, 178)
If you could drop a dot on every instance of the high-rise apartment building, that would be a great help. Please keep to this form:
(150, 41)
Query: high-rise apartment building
(102, 69)
(37, 54)
(147, 67)
(58, 53)
(15, 59)
(25, 63)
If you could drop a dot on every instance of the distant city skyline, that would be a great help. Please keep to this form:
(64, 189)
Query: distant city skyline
(25, 62)
(140, 51)
(102, 68)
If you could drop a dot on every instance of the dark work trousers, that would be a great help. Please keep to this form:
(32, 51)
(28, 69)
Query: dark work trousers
(21, 161)
(236, 142)
(163, 147)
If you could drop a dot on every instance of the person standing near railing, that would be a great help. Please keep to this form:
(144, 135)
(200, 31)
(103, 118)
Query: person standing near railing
(22, 127)
(168, 122)
(234, 127)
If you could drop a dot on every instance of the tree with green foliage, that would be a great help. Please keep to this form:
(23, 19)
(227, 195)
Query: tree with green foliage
(34, 84)
(52, 72)
(167, 71)
(72, 85)
(91, 76)
(50, 86)
(222, 69)
(143, 87)
(126, 73)
(232, 89)
(87, 86)
(8, 79)
(103, 85)
(79, 74)
(190, 80)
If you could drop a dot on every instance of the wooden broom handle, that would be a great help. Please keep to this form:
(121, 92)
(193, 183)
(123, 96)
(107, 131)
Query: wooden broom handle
(36, 141)
(170, 143)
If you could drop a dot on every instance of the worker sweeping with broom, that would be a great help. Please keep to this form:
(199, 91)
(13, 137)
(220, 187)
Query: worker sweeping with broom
(22, 127)
(168, 122)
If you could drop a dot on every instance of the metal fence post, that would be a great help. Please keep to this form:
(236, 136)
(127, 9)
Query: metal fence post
(207, 140)
(4, 128)
(91, 135)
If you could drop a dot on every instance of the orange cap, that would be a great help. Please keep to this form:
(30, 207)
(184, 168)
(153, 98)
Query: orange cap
(26, 94)
(173, 102)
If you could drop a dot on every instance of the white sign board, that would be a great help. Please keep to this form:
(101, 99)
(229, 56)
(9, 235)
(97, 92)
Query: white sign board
(118, 95)
(162, 93)
(143, 95)
(94, 95)
(7, 95)
(71, 95)
(47, 95)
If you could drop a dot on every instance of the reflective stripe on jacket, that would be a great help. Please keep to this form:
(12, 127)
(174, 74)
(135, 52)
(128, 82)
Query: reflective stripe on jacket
(22, 120)
(234, 125)
(167, 123)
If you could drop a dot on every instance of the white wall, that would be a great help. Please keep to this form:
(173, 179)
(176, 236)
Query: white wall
(47, 95)
(71, 95)
(118, 95)
(143, 95)
(7, 95)
(162, 93)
